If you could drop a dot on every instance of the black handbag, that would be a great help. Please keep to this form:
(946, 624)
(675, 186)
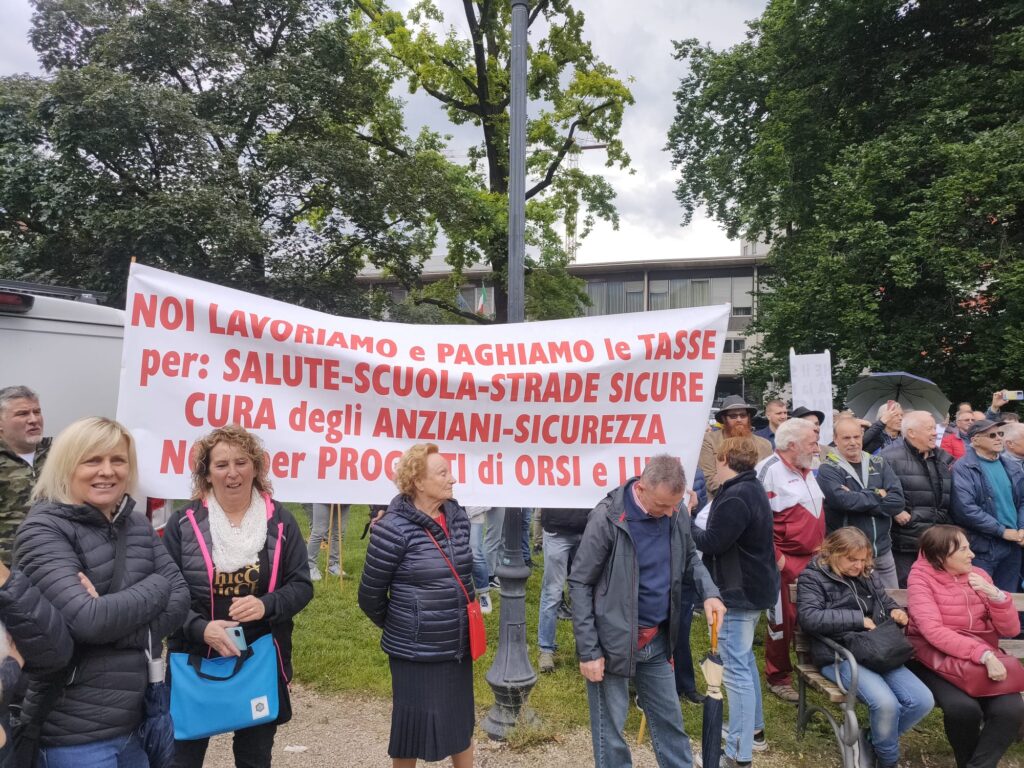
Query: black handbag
(881, 649)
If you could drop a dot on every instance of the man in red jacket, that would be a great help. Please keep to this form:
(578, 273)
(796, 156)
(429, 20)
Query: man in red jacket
(955, 442)
(798, 528)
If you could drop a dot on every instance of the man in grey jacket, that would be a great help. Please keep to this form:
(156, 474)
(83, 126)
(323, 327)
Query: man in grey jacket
(626, 585)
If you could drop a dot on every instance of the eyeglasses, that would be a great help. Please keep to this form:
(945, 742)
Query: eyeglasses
(736, 415)
(994, 435)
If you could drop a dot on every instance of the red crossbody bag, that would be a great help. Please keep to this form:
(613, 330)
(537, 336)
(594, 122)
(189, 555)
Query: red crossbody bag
(477, 630)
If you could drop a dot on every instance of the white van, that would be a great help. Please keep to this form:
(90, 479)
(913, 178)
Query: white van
(66, 349)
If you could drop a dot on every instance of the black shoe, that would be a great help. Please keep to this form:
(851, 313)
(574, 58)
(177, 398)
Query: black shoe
(695, 696)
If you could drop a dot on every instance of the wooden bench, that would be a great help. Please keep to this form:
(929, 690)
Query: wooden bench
(845, 726)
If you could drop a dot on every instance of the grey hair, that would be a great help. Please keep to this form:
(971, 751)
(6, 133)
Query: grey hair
(1013, 430)
(914, 420)
(790, 431)
(664, 470)
(883, 408)
(16, 392)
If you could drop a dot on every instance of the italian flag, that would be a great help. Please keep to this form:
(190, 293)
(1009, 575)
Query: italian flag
(482, 304)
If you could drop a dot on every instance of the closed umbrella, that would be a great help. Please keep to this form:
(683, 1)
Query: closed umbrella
(711, 732)
(914, 393)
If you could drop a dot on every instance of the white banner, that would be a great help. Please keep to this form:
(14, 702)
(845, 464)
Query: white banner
(810, 377)
(535, 414)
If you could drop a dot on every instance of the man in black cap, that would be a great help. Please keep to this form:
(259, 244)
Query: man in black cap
(988, 503)
(735, 417)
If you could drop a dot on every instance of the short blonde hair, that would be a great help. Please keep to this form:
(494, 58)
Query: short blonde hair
(234, 435)
(79, 441)
(845, 541)
(413, 466)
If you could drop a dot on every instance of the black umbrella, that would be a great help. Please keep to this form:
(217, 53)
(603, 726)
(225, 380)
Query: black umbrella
(711, 733)
(157, 731)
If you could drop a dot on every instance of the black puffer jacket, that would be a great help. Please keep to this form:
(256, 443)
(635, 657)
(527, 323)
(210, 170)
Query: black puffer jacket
(926, 504)
(292, 593)
(827, 604)
(55, 543)
(407, 588)
(35, 626)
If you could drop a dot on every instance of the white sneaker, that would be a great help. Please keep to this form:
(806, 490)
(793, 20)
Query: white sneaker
(314, 574)
(485, 604)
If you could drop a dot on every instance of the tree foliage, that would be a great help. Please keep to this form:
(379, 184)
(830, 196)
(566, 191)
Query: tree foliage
(572, 91)
(252, 143)
(879, 145)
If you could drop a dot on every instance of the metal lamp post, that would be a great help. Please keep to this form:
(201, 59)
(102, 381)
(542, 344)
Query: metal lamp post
(511, 677)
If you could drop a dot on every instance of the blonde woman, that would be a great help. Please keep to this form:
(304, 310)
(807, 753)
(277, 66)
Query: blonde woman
(409, 591)
(838, 594)
(68, 547)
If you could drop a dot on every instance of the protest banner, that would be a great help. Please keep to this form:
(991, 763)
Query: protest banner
(552, 413)
(810, 377)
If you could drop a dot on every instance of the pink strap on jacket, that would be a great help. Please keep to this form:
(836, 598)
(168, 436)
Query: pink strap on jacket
(275, 568)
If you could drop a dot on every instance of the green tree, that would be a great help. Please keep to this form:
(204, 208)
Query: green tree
(252, 143)
(879, 145)
(571, 90)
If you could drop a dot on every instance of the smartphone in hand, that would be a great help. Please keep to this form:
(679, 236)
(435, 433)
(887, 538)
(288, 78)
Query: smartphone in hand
(237, 635)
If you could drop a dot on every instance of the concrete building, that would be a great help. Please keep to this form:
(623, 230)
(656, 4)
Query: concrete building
(638, 286)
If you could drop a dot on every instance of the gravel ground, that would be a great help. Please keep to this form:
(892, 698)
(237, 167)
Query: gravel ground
(347, 731)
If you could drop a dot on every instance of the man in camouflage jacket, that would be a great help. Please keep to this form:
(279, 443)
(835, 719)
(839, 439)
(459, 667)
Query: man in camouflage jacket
(23, 451)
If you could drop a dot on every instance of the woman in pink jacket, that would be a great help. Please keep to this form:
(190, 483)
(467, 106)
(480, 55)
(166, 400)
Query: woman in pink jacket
(956, 619)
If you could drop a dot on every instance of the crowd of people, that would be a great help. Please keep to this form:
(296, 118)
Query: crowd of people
(891, 503)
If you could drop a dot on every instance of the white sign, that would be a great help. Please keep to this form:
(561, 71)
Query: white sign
(553, 414)
(810, 377)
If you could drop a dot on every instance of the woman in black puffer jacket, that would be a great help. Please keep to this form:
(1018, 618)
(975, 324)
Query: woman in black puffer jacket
(836, 595)
(410, 592)
(258, 577)
(67, 547)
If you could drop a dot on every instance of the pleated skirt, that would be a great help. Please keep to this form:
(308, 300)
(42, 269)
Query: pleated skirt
(432, 713)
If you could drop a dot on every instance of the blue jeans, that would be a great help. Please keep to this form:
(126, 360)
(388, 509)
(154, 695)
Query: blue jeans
(896, 700)
(119, 752)
(558, 547)
(656, 687)
(1002, 562)
(319, 524)
(742, 682)
(476, 543)
(494, 518)
(527, 519)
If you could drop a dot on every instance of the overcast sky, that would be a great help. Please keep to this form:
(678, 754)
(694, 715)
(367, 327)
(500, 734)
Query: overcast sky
(634, 38)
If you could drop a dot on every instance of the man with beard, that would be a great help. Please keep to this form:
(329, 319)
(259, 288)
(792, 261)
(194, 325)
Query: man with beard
(734, 416)
(798, 527)
(22, 453)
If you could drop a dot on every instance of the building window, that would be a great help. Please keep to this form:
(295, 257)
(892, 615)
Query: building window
(742, 311)
(734, 345)
(701, 293)
(612, 297)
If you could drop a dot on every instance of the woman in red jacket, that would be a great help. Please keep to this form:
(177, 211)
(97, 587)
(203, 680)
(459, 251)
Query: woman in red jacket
(957, 616)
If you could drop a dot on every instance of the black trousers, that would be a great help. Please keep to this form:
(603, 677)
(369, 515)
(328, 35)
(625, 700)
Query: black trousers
(251, 746)
(903, 560)
(979, 730)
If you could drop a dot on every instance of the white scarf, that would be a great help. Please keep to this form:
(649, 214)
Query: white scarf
(234, 548)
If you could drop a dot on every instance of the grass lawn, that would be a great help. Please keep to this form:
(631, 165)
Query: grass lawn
(337, 649)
